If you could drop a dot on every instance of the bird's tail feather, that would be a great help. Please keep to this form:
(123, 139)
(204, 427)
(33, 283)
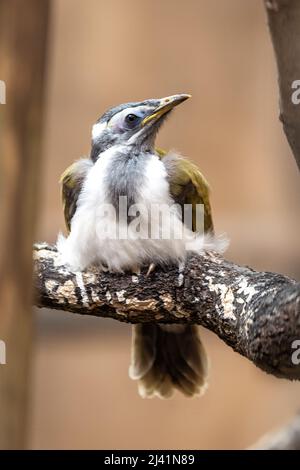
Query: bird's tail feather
(168, 357)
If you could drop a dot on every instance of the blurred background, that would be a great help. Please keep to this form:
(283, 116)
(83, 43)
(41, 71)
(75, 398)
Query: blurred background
(105, 53)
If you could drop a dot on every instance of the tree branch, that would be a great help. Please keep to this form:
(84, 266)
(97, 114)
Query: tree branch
(256, 313)
(284, 24)
(287, 438)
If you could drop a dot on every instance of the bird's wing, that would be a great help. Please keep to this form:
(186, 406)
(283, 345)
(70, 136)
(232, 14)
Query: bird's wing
(188, 186)
(72, 181)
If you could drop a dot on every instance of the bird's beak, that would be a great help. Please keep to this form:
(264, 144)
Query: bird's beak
(165, 105)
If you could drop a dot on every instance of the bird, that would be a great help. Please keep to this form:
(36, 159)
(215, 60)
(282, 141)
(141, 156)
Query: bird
(125, 164)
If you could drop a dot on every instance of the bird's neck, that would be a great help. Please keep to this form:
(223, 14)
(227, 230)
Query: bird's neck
(125, 174)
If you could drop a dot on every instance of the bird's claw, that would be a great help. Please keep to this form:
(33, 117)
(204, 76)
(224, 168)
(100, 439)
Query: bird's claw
(136, 270)
(150, 269)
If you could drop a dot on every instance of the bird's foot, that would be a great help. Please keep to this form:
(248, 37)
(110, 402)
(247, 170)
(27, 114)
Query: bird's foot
(136, 270)
(104, 268)
(151, 268)
(181, 266)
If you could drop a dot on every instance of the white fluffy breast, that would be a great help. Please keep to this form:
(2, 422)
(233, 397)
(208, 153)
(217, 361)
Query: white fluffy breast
(156, 187)
(95, 230)
(86, 243)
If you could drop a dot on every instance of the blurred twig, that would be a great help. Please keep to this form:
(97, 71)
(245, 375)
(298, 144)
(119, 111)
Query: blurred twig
(287, 438)
(256, 313)
(284, 24)
(23, 56)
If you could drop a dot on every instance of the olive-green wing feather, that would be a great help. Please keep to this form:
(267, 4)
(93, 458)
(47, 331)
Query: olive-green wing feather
(188, 186)
(72, 180)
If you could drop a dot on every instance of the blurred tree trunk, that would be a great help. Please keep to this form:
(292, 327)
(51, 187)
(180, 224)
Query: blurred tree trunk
(284, 24)
(23, 38)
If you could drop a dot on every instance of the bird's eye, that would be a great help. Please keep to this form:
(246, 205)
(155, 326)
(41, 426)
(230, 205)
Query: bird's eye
(131, 120)
(131, 117)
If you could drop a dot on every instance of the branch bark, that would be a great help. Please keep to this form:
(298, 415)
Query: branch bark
(256, 313)
(284, 21)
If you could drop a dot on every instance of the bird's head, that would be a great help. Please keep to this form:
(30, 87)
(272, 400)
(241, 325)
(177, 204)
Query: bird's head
(132, 124)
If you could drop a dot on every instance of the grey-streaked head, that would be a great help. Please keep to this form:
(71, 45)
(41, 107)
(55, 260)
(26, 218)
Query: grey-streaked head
(132, 124)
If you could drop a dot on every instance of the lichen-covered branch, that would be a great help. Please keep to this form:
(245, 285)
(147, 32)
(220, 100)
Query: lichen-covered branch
(287, 438)
(256, 313)
(284, 24)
